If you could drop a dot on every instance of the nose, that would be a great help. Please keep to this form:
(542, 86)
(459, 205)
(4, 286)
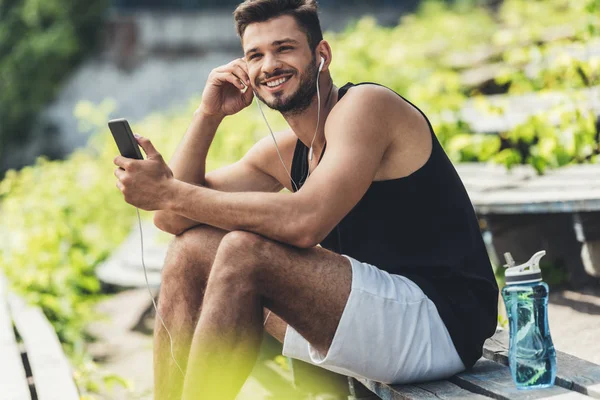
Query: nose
(270, 63)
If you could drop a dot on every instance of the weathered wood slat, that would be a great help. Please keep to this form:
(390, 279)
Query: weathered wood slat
(493, 379)
(494, 190)
(13, 382)
(51, 371)
(124, 267)
(421, 391)
(525, 203)
(518, 108)
(572, 373)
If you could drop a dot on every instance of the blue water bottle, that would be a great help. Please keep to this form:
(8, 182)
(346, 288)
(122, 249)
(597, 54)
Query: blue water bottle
(531, 354)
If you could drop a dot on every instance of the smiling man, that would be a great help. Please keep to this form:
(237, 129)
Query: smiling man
(373, 266)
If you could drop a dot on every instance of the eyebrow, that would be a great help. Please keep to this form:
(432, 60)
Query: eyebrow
(275, 43)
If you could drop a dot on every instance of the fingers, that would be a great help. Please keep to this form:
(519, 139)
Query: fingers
(119, 173)
(123, 162)
(148, 147)
(229, 77)
(238, 74)
(241, 74)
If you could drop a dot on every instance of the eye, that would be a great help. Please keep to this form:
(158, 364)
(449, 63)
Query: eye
(254, 55)
(283, 48)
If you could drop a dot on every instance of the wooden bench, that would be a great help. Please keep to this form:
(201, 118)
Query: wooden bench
(491, 378)
(523, 213)
(32, 363)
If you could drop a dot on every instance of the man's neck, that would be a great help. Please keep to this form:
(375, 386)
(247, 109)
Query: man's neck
(304, 124)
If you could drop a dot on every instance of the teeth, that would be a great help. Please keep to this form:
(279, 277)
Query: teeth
(276, 82)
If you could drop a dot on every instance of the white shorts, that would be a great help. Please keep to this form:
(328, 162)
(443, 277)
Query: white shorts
(389, 332)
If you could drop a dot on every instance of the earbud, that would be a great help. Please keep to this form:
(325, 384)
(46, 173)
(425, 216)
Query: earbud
(310, 151)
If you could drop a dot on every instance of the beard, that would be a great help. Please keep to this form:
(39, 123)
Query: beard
(300, 100)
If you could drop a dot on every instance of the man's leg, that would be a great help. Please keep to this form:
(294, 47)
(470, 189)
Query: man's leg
(186, 269)
(307, 288)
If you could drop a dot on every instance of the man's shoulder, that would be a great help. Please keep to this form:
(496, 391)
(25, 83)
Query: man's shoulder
(375, 106)
(372, 101)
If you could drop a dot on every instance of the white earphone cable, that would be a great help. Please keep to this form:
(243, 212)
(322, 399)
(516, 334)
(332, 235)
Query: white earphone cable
(150, 291)
(275, 141)
(154, 302)
(310, 152)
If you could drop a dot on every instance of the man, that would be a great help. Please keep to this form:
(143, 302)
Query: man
(400, 288)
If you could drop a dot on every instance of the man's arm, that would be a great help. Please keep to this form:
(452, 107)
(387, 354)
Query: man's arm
(358, 133)
(223, 95)
(259, 170)
(188, 164)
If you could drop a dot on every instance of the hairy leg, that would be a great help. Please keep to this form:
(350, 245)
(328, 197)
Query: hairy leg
(186, 269)
(308, 288)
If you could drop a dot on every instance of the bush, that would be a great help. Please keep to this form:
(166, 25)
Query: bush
(41, 41)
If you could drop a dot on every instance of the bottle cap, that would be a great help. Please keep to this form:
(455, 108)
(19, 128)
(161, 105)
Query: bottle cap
(524, 273)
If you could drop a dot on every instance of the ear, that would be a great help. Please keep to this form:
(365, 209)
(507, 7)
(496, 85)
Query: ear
(323, 50)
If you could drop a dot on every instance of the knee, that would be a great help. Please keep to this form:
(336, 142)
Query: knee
(187, 265)
(241, 247)
(239, 258)
(191, 254)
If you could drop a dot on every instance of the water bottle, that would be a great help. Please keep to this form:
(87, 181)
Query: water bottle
(531, 354)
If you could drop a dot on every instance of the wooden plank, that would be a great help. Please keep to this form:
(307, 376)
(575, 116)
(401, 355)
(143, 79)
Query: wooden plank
(572, 373)
(51, 371)
(493, 379)
(498, 191)
(421, 391)
(124, 267)
(518, 108)
(13, 380)
(485, 206)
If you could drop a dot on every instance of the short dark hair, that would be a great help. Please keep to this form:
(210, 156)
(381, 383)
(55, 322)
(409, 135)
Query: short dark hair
(303, 11)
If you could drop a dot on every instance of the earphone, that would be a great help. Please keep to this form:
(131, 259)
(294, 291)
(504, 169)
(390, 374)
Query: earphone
(310, 152)
(152, 297)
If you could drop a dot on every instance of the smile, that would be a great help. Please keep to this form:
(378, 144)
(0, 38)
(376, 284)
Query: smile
(277, 83)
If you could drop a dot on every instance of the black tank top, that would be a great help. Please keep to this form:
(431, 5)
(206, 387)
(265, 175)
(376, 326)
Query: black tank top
(423, 227)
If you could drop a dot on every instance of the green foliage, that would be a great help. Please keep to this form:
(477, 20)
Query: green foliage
(40, 42)
(530, 46)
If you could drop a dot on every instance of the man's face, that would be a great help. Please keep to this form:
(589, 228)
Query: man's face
(281, 66)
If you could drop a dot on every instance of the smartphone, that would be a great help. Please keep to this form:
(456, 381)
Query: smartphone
(126, 142)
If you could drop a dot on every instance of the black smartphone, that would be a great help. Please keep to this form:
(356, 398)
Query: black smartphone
(128, 146)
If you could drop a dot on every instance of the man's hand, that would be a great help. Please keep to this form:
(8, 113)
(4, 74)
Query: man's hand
(144, 183)
(228, 90)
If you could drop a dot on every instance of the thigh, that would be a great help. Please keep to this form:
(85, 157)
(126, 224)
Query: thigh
(306, 288)
(187, 266)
